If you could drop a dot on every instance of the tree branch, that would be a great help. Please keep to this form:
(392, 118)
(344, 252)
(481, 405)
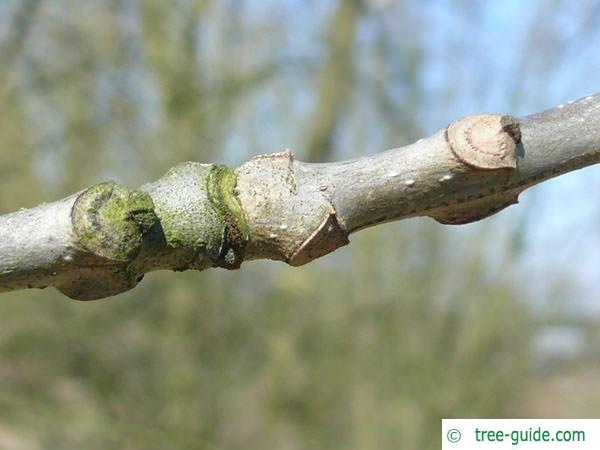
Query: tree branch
(101, 241)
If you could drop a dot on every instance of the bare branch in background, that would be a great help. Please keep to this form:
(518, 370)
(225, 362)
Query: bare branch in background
(335, 81)
(24, 19)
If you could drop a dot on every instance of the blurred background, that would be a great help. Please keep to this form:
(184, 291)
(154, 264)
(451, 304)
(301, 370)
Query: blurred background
(367, 348)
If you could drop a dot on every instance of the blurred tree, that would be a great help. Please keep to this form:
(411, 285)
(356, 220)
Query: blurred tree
(336, 79)
(366, 349)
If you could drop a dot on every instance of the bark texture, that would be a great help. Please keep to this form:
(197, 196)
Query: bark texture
(101, 241)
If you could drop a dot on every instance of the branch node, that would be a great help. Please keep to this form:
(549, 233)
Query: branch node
(93, 283)
(476, 210)
(290, 178)
(221, 184)
(329, 236)
(110, 220)
(485, 141)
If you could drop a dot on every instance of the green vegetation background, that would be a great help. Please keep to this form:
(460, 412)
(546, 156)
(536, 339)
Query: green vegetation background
(365, 349)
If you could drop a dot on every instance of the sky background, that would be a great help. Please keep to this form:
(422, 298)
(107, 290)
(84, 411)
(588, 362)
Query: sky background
(366, 348)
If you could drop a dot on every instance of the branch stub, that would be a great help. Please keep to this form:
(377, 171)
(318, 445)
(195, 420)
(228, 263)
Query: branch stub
(110, 220)
(485, 141)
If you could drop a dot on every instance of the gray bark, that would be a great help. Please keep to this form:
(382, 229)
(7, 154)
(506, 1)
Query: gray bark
(101, 241)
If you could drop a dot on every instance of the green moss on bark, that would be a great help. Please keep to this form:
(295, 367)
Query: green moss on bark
(193, 211)
(110, 220)
(200, 216)
(221, 184)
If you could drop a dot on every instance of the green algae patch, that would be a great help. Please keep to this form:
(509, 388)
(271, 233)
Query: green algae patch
(192, 229)
(221, 184)
(110, 220)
